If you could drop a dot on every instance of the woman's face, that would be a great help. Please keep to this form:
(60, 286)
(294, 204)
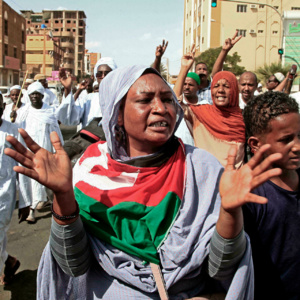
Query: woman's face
(221, 93)
(148, 115)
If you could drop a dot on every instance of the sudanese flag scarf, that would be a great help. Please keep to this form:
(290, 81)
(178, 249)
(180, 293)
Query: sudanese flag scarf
(130, 207)
(224, 123)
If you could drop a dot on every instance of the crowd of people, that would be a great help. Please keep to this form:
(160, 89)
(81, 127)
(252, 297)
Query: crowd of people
(189, 192)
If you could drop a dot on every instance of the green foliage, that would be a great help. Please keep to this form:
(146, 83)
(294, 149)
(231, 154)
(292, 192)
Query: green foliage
(231, 62)
(264, 72)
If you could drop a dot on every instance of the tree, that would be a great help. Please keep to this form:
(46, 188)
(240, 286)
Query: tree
(264, 72)
(162, 70)
(231, 62)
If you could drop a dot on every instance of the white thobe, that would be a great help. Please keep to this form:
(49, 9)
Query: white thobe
(49, 98)
(39, 123)
(8, 184)
(7, 111)
(71, 112)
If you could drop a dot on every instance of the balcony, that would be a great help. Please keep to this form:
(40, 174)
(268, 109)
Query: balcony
(69, 66)
(69, 55)
(67, 45)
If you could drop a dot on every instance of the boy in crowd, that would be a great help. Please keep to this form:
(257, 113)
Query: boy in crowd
(8, 183)
(274, 228)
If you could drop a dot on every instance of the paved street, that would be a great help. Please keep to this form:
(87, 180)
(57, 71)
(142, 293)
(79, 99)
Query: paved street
(26, 242)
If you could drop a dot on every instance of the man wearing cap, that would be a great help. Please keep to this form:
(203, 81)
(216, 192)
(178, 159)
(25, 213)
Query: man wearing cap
(274, 81)
(83, 110)
(49, 97)
(38, 119)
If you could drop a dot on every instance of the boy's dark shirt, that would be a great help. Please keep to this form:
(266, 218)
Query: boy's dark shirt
(274, 230)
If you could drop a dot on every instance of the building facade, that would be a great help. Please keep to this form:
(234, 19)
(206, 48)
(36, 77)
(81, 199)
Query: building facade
(12, 46)
(260, 25)
(43, 54)
(67, 25)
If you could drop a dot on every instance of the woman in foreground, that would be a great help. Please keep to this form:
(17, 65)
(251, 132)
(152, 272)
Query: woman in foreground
(146, 202)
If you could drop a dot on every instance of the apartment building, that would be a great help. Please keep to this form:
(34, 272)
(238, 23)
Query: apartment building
(261, 26)
(67, 25)
(91, 59)
(44, 54)
(12, 46)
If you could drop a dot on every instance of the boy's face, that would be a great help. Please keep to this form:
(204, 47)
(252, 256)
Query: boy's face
(284, 138)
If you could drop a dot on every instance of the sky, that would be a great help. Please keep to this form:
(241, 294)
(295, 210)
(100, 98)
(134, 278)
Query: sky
(128, 31)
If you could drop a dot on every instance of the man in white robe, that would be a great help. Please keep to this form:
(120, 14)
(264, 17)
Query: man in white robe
(39, 120)
(9, 111)
(49, 97)
(72, 112)
(8, 187)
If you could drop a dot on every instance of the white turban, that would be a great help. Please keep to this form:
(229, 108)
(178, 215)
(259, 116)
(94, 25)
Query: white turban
(36, 87)
(15, 87)
(29, 80)
(105, 61)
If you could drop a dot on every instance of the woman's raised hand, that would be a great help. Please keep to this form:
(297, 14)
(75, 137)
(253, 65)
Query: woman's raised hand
(236, 184)
(52, 170)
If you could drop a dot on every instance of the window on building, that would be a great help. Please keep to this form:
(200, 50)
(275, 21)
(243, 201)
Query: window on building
(56, 29)
(202, 40)
(5, 49)
(260, 31)
(28, 22)
(57, 14)
(261, 6)
(68, 21)
(74, 30)
(23, 37)
(36, 26)
(15, 52)
(274, 31)
(295, 8)
(23, 57)
(46, 21)
(74, 22)
(241, 8)
(56, 21)
(276, 7)
(68, 29)
(241, 32)
(5, 27)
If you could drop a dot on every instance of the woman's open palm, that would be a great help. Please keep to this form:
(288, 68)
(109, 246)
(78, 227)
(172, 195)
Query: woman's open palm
(52, 170)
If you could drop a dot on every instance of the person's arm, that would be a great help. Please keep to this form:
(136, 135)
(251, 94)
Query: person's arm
(236, 186)
(281, 85)
(66, 81)
(187, 61)
(159, 52)
(70, 248)
(228, 242)
(81, 87)
(227, 46)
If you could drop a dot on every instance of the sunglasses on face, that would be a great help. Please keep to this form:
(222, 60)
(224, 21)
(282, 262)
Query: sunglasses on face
(102, 73)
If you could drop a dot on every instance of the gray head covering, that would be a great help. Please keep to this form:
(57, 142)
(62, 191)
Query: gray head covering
(112, 90)
(105, 61)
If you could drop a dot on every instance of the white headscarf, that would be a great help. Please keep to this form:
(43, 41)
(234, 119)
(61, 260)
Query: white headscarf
(36, 87)
(105, 61)
(15, 87)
